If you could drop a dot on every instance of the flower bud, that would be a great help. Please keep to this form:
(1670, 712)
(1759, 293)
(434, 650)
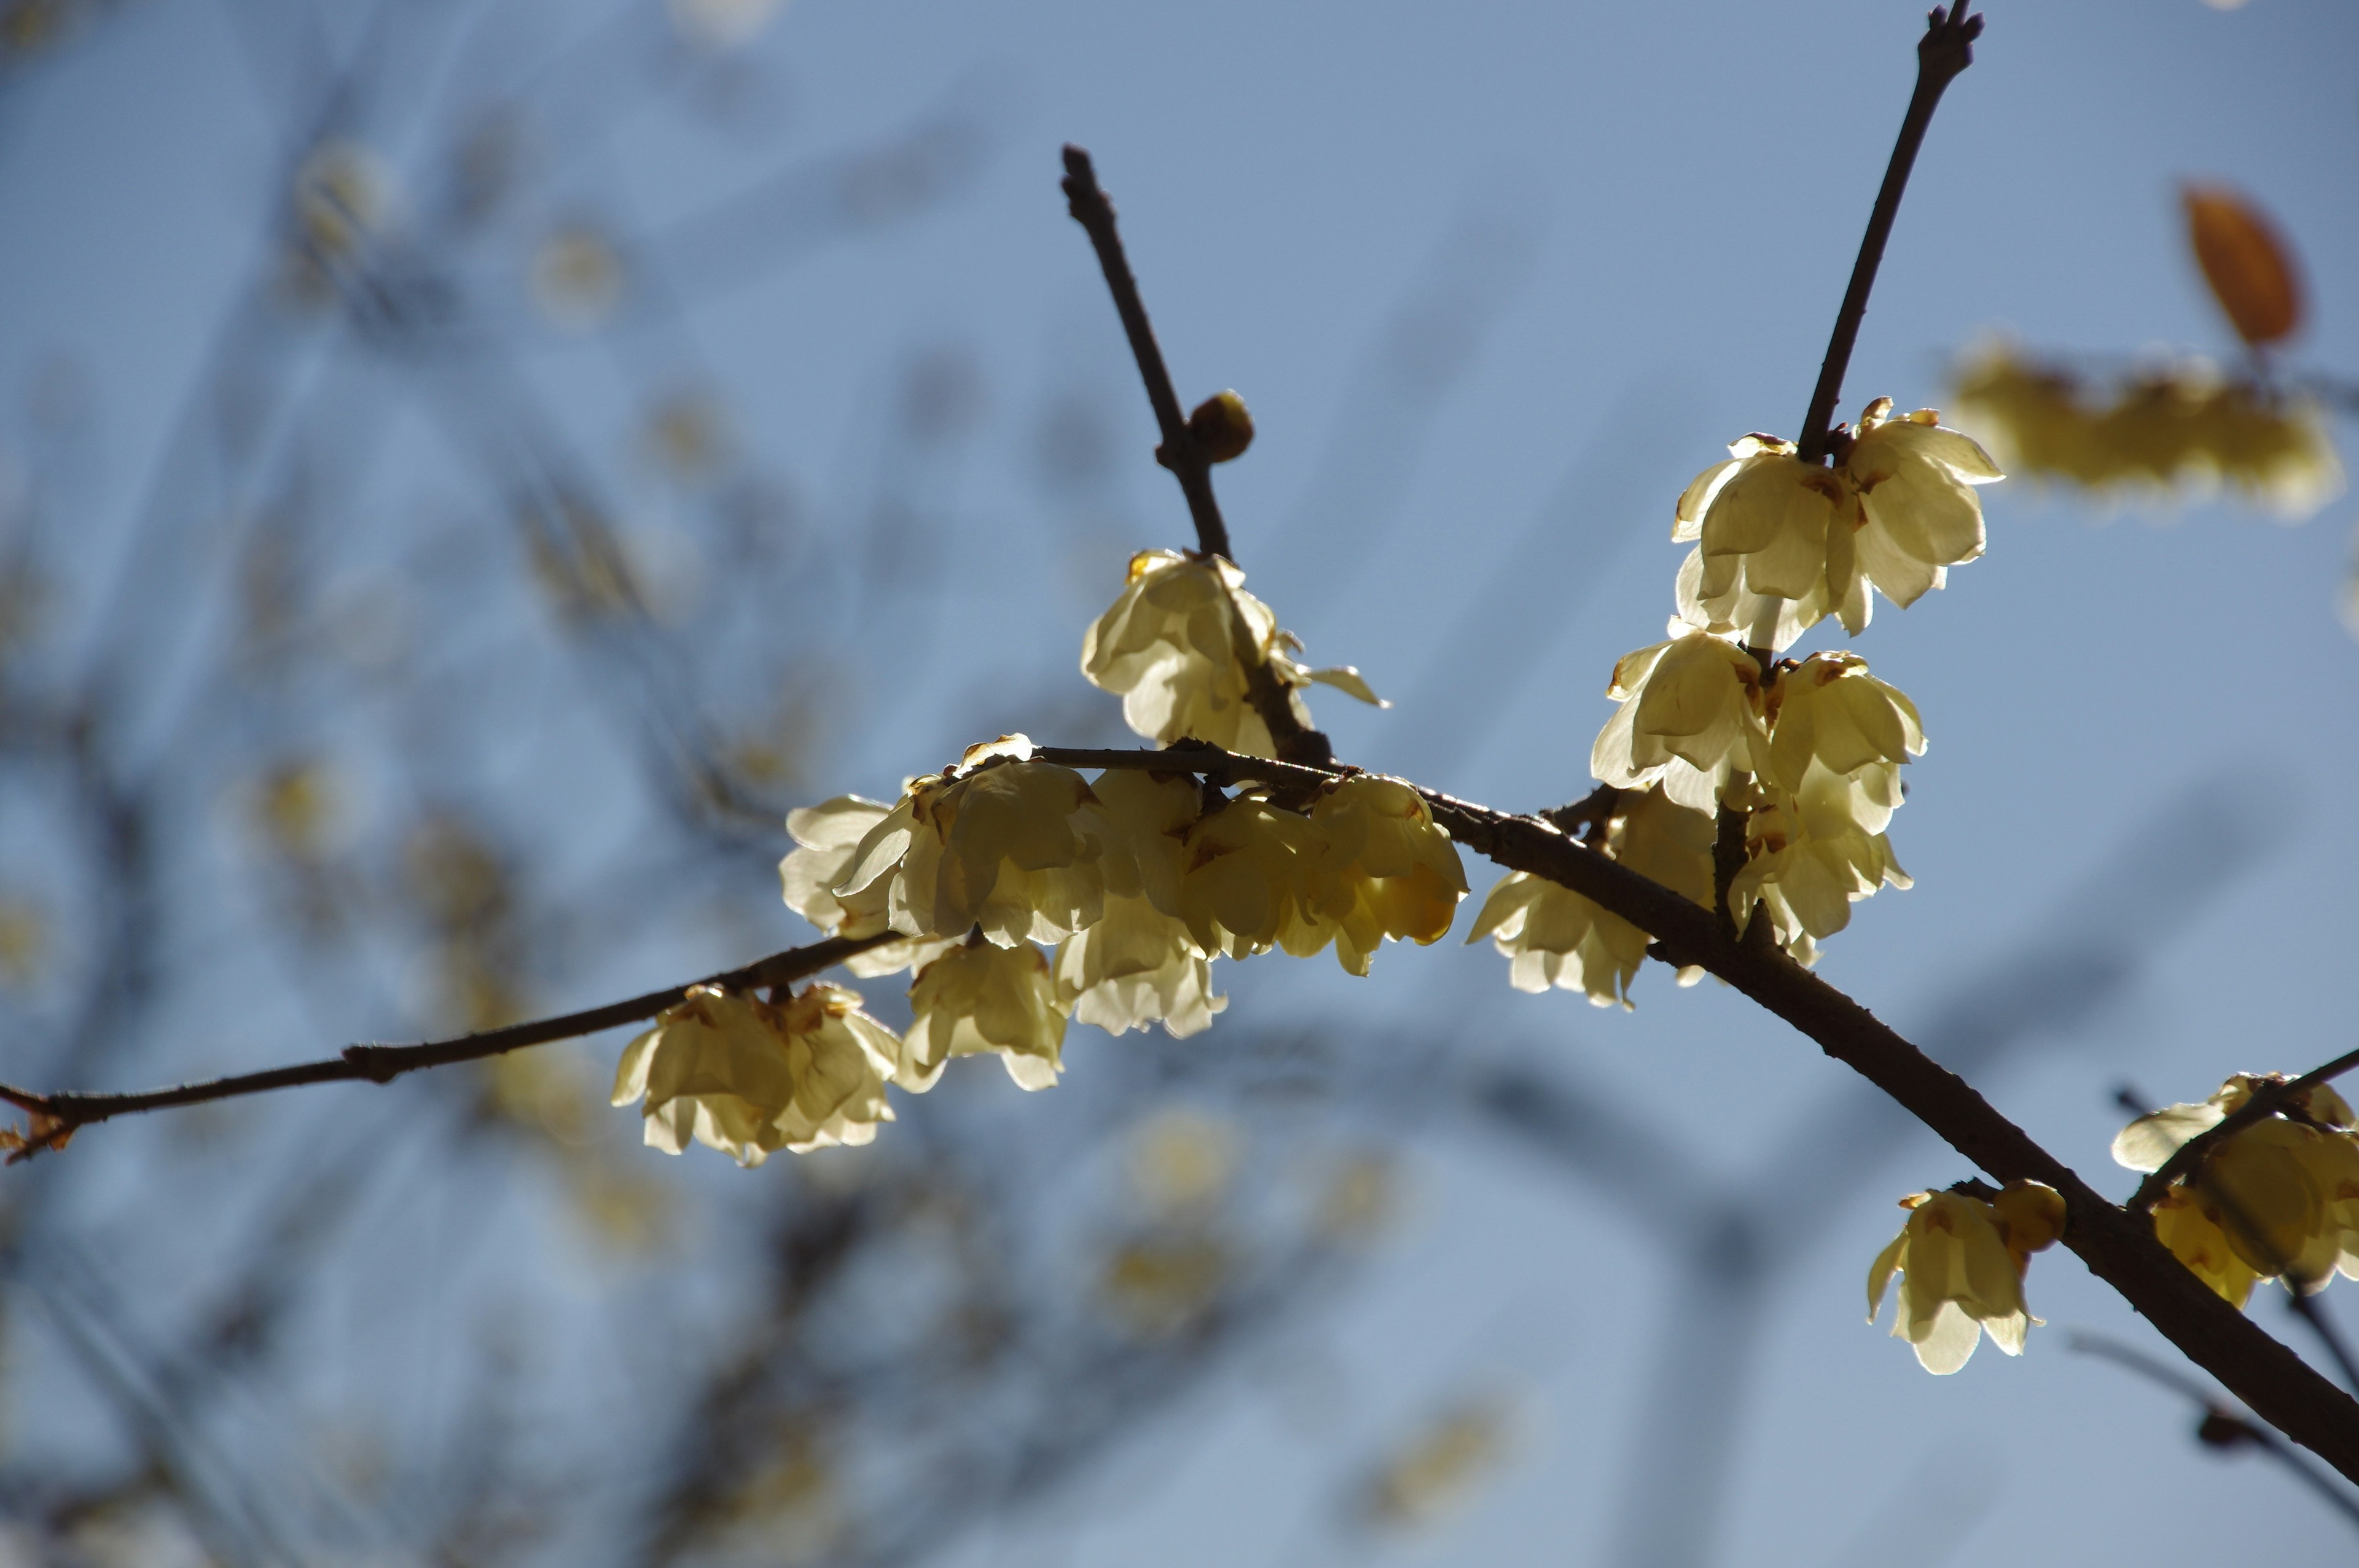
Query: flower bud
(1222, 427)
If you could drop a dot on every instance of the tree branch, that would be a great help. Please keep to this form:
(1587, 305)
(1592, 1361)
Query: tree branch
(1095, 211)
(56, 1116)
(1945, 50)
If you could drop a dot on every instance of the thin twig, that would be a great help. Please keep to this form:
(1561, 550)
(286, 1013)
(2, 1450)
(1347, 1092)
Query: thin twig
(1945, 50)
(1095, 211)
(2265, 1101)
(2221, 1427)
(57, 1115)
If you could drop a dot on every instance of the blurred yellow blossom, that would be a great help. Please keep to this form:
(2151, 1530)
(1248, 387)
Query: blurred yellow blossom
(1961, 1264)
(1837, 738)
(979, 999)
(1010, 845)
(2169, 430)
(1690, 717)
(1551, 936)
(749, 1079)
(1177, 647)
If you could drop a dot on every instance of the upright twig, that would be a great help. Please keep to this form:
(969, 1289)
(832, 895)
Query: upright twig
(1095, 211)
(1945, 50)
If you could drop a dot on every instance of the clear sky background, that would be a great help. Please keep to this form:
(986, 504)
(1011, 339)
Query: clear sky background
(1496, 279)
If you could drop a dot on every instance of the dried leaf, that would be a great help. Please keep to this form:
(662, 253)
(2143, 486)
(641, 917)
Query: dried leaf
(2248, 266)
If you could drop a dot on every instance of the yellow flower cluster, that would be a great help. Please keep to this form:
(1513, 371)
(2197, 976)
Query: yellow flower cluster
(1179, 646)
(1961, 1263)
(2278, 1199)
(2177, 429)
(1781, 544)
(1139, 878)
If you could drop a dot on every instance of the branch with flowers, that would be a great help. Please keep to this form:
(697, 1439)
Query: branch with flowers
(1743, 804)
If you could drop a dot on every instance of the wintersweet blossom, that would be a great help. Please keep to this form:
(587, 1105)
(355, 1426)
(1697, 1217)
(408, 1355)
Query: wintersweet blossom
(1961, 1263)
(1837, 738)
(749, 1079)
(1385, 870)
(1915, 512)
(979, 999)
(1176, 647)
(1552, 936)
(1008, 845)
(827, 835)
(1151, 814)
(1807, 881)
(1690, 717)
(1136, 967)
(1249, 878)
(2280, 1197)
(1761, 521)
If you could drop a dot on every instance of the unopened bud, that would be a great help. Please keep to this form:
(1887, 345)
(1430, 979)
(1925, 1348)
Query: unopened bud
(1222, 427)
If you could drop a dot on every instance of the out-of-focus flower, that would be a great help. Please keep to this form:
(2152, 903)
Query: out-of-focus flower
(748, 1078)
(1551, 936)
(2171, 429)
(342, 194)
(1177, 643)
(2280, 1197)
(1914, 514)
(1961, 1263)
(981, 998)
(1440, 1464)
(1181, 1162)
(1691, 716)
(828, 833)
(1162, 1282)
(24, 939)
(1384, 871)
(1250, 877)
(1136, 967)
(2250, 269)
(1010, 845)
(1837, 738)
(1805, 881)
(577, 279)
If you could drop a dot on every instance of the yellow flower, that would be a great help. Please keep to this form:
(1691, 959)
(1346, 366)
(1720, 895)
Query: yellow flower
(1136, 966)
(1691, 716)
(1744, 614)
(1383, 871)
(1961, 1263)
(1837, 738)
(748, 1078)
(2280, 1197)
(828, 834)
(1249, 879)
(1761, 521)
(1551, 936)
(1010, 845)
(1176, 647)
(1807, 881)
(981, 998)
(1150, 815)
(1914, 513)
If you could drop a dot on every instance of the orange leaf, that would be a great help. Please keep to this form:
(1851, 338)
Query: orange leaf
(2249, 268)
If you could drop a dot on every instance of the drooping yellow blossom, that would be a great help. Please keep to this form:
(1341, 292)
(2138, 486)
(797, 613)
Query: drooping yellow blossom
(1914, 513)
(1177, 643)
(1760, 519)
(745, 1077)
(1384, 871)
(1010, 845)
(2279, 1198)
(1837, 738)
(1691, 716)
(2179, 428)
(980, 998)
(1756, 619)
(1805, 881)
(828, 834)
(1551, 936)
(1136, 967)
(1249, 879)
(1961, 1263)
(1150, 815)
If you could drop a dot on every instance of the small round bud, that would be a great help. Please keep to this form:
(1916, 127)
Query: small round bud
(1222, 427)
